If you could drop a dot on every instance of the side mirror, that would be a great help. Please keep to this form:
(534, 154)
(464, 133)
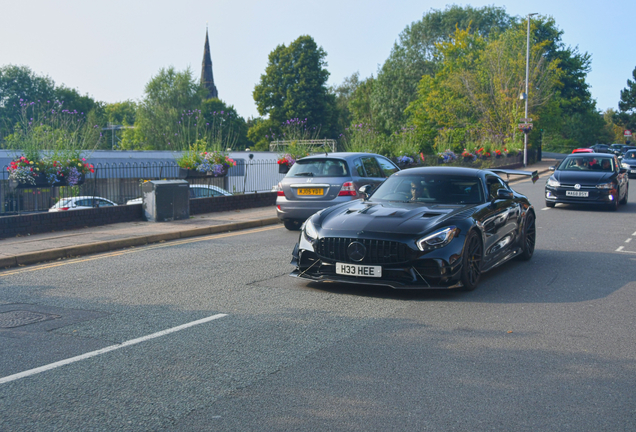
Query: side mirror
(552, 168)
(504, 194)
(365, 191)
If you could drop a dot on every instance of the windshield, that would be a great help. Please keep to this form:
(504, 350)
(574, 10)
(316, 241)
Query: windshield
(630, 155)
(319, 168)
(430, 189)
(587, 163)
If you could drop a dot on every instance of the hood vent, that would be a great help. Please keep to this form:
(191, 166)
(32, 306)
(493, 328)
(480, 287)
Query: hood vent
(430, 215)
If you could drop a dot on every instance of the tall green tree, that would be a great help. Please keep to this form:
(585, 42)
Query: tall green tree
(167, 95)
(294, 86)
(413, 56)
(627, 104)
(19, 84)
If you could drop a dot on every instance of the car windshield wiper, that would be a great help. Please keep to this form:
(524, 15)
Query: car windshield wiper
(305, 174)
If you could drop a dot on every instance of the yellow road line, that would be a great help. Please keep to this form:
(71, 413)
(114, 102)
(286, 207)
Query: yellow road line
(138, 249)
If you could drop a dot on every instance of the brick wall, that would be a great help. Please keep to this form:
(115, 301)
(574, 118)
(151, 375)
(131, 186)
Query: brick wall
(11, 226)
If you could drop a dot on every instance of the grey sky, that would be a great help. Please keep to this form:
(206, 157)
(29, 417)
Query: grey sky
(111, 49)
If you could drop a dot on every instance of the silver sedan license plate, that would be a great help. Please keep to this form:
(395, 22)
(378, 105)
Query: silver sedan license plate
(358, 270)
(577, 193)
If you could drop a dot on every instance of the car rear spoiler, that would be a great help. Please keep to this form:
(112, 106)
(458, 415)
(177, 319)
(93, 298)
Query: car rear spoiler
(534, 175)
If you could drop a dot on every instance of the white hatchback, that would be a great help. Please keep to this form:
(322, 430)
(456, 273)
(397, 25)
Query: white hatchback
(80, 203)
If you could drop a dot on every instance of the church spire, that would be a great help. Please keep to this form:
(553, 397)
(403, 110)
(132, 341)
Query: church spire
(207, 79)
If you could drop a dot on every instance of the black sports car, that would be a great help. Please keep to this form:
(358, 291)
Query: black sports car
(588, 178)
(436, 227)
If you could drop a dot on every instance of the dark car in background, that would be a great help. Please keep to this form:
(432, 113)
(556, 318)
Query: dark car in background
(588, 178)
(629, 163)
(319, 181)
(433, 227)
(601, 148)
(617, 149)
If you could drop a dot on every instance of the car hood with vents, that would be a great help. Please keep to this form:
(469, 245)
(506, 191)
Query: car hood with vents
(388, 217)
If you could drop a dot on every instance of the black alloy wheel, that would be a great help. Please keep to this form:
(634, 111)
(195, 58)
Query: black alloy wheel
(471, 261)
(529, 238)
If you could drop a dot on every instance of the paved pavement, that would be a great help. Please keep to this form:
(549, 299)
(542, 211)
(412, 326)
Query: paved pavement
(52, 246)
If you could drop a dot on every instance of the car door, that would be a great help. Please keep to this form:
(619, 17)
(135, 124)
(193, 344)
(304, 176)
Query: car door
(371, 170)
(500, 221)
(622, 179)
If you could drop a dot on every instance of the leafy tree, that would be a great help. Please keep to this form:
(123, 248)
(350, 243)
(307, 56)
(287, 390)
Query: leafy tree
(627, 105)
(72, 100)
(167, 96)
(294, 86)
(19, 84)
(414, 56)
(227, 122)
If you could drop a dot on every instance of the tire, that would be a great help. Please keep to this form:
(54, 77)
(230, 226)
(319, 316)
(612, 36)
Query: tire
(529, 238)
(550, 204)
(292, 225)
(471, 261)
(624, 200)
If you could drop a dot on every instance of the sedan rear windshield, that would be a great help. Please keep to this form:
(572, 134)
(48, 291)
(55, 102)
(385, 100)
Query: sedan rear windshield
(587, 163)
(430, 189)
(319, 168)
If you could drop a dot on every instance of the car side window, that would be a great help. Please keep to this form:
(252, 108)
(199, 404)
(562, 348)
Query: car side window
(372, 167)
(357, 165)
(83, 203)
(388, 167)
(493, 184)
(103, 203)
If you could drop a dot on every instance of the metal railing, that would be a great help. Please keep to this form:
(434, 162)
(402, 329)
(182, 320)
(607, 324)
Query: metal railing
(120, 182)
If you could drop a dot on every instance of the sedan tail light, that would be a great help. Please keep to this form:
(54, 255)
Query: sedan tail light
(348, 189)
(279, 190)
(64, 208)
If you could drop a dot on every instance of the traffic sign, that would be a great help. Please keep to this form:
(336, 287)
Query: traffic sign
(628, 133)
(529, 120)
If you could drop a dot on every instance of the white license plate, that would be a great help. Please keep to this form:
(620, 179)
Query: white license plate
(358, 270)
(577, 193)
(632, 172)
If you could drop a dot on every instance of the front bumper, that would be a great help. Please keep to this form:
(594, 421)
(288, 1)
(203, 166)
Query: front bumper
(595, 196)
(432, 270)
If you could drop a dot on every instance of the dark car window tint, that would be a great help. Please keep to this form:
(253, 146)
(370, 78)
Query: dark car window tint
(84, 203)
(319, 168)
(630, 155)
(494, 184)
(372, 167)
(388, 168)
(102, 203)
(359, 168)
(587, 163)
(430, 189)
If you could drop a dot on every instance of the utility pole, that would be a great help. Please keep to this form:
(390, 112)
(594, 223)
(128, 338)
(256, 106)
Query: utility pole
(525, 95)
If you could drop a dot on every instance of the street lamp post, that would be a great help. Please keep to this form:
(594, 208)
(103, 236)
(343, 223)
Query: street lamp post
(525, 132)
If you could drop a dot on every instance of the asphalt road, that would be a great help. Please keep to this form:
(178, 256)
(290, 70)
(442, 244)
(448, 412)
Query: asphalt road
(540, 345)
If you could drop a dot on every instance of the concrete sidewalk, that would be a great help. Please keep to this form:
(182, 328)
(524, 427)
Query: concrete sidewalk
(36, 248)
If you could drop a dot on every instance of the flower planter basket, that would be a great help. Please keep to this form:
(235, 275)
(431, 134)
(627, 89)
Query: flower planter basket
(62, 181)
(283, 168)
(188, 173)
(40, 182)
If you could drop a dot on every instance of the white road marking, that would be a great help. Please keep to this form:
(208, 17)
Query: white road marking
(624, 251)
(545, 208)
(634, 235)
(60, 363)
(628, 240)
(620, 249)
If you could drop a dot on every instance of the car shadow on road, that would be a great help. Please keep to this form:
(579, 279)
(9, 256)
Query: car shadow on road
(550, 277)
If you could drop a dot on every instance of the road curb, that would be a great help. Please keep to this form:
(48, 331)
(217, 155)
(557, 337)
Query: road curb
(112, 245)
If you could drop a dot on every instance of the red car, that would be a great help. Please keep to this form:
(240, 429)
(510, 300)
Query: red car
(583, 150)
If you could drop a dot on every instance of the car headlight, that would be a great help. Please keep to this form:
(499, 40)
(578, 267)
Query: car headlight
(553, 182)
(625, 165)
(438, 239)
(310, 230)
(605, 186)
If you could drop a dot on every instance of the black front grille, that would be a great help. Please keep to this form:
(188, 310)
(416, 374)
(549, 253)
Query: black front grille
(378, 251)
